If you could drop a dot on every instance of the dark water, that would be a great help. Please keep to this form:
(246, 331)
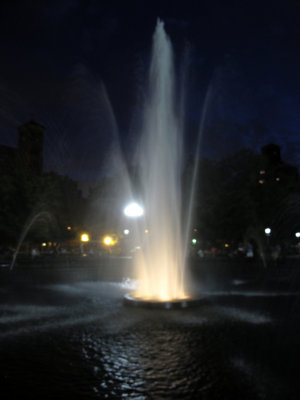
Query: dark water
(75, 338)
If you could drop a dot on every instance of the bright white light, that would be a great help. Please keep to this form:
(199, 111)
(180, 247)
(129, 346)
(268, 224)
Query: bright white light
(126, 231)
(268, 231)
(133, 210)
(297, 234)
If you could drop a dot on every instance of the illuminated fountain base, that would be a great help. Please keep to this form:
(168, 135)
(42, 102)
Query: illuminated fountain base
(132, 301)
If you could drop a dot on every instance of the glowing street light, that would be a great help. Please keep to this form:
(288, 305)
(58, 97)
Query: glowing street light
(126, 231)
(268, 231)
(194, 241)
(110, 240)
(133, 210)
(107, 240)
(297, 234)
(85, 237)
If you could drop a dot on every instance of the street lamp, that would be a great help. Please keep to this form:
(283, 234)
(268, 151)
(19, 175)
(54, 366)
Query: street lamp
(133, 210)
(108, 241)
(268, 231)
(297, 234)
(84, 238)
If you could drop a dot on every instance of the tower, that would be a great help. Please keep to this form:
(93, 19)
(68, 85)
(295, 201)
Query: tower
(30, 148)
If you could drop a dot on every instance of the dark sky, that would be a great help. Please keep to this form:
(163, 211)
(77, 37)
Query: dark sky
(78, 67)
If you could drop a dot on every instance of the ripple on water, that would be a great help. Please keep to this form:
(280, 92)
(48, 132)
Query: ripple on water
(95, 348)
(160, 361)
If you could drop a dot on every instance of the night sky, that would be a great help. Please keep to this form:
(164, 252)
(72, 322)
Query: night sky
(79, 69)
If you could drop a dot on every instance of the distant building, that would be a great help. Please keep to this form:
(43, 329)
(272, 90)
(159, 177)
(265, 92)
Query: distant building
(28, 156)
(273, 169)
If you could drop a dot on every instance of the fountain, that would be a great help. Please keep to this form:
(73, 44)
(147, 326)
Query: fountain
(25, 231)
(161, 263)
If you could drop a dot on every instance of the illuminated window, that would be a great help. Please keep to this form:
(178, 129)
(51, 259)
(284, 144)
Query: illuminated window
(262, 172)
(261, 181)
(277, 179)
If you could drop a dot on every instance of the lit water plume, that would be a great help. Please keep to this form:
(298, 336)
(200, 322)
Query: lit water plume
(160, 266)
(25, 231)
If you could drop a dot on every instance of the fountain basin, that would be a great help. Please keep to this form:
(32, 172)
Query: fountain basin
(131, 301)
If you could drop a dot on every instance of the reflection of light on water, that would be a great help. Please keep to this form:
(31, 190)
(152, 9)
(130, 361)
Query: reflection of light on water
(142, 364)
(29, 319)
(243, 315)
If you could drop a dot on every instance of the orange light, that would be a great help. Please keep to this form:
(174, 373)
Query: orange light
(69, 228)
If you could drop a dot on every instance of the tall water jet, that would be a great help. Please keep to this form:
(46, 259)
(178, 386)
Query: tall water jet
(160, 267)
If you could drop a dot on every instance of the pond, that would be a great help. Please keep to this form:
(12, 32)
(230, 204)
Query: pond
(74, 337)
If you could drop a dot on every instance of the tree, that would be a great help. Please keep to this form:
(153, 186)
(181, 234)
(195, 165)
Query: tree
(24, 196)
